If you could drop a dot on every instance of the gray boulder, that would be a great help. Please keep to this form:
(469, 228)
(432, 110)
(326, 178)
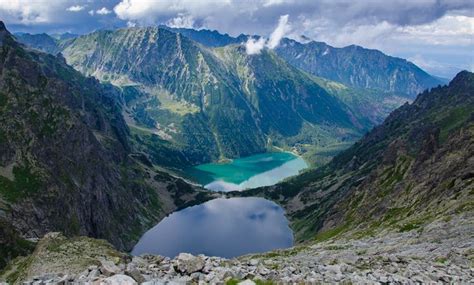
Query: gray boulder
(187, 263)
(119, 279)
(108, 268)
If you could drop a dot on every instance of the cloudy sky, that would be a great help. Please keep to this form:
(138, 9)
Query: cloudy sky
(438, 35)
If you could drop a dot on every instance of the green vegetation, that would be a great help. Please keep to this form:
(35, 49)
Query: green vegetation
(409, 227)
(453, 120)
(193, 104)
(328, 234)
(397, 178)
(26, 182)
(392, 175)
(441, 259)
(12, 244)
(3, 99)
(232, 281)
(215, 104)
(55, 250)
(18, 270)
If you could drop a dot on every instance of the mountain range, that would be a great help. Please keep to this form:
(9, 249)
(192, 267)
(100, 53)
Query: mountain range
(139, 102)
(188, 88)
(352, 65)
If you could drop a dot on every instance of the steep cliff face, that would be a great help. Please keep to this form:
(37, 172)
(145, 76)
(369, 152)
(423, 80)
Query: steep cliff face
(66, 161)
(414, 168)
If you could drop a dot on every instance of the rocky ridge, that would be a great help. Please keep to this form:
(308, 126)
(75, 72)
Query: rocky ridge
(352, 65)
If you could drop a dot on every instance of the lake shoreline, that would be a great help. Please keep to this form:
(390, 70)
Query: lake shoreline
(258, 225)
(263, 169)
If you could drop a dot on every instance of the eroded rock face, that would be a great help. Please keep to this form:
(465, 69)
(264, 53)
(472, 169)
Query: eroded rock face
(358, 67)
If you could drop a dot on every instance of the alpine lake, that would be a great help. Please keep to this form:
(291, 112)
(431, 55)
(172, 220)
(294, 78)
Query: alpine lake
(228, 227)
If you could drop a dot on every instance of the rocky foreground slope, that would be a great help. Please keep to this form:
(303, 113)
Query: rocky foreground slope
(443, 252)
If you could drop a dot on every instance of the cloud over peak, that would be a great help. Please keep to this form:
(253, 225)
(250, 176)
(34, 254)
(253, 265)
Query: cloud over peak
(281, 30)
(255, 46)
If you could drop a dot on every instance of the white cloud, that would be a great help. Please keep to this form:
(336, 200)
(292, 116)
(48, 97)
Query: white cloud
(446, 30)
(181, 21)
(148, 12)
(75, 8)
(446, 43)
(30, 12)
(255, 46)
(398, 27)
(103, 11)
(434, 67)
(268, 3)
(281, 30)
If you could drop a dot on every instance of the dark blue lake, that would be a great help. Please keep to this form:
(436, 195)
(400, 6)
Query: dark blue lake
(220, 227)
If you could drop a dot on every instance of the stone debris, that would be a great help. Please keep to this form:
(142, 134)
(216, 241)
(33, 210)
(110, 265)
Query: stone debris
(441, 253)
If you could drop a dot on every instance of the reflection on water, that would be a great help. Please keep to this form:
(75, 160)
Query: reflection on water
(248, 172)
(221, 227)
(271, 177)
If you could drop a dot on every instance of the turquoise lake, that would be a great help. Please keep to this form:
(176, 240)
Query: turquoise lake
(247, 172)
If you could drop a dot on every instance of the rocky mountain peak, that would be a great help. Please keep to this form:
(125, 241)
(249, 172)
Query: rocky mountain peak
(462, 77)
(4, 34)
